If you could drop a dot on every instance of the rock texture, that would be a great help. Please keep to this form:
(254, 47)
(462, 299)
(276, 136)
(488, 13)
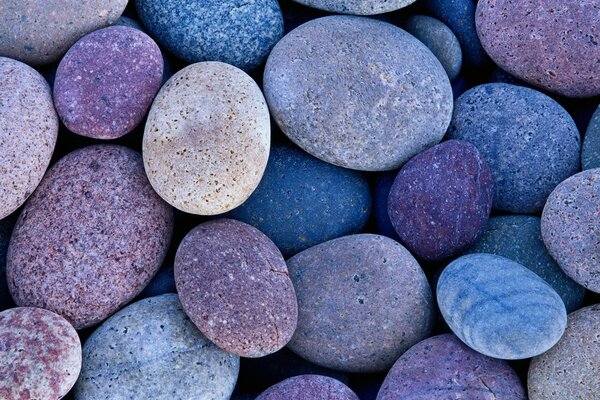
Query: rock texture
(590, 154)
(357, 7)
(314, 387)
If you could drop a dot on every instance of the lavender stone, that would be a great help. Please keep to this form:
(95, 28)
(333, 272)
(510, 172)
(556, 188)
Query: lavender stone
(314, 387)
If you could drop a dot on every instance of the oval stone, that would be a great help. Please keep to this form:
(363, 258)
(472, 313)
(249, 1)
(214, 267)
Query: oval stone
(358, 93)
(314, 387)
(500, 308)
(91, 236)
(206, 141)
(357, 7)
(590, 154)
(357, 287)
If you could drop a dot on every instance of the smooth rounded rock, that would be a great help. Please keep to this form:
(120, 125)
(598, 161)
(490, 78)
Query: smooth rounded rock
(151, 350)
(313, 387)
(357, 7)
(357, 92)
(441, 200)
(362, 300)
(499, 308)
(90, 238)
(206, 141)
(590, 153)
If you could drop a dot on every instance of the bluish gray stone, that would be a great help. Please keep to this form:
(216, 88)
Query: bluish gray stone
(357, 7)
(590, 155)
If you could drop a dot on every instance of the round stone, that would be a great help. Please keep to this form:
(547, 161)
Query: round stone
(441, 200)
(40, 32)
(357, 7)
(357, 92)
(151, 350)
(590, 154)
(40, 354)
(206, 142)
(500, 308)
(29, 127)
(357, 287)
(314, 387)
(552, 44)
(106, 82)
(233, 283)
(302, 201)
(91, 236)
(530, 142)
(570, 227)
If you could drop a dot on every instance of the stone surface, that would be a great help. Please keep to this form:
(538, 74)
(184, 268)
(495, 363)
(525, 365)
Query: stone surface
(314, 387)
(552, 44)
(358, 93)
(500, 308)
(151, 350)
(362, 300)
(206, 141)
(357, 7)
(29, 127)
(529, 141)
(441, 200)
(590, 154)
(234, 284)
(90, 238)
(6, 226)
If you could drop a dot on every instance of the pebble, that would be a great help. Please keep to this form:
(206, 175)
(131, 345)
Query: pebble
(358, 287)
(206, 141)
(357, 92)
(357, 7)
(90, 238)
(590, 154)
(313, 387)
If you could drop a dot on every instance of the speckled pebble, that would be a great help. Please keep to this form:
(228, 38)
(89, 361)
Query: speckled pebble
(206, 141)
(313, 387)
(357, 7)
(590, 154)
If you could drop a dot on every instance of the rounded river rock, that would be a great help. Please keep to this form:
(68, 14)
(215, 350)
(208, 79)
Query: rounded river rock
(313, 387)
(357, 7)
(590, 154)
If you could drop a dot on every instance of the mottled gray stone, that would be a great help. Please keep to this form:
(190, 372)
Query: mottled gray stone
(357, 7)
(313, 387)
(590, 154)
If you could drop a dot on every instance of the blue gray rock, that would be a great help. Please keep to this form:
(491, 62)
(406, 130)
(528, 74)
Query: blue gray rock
(590, 154)
(357, 7)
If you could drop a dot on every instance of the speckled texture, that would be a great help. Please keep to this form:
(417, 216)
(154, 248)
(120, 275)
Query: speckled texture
(500, 308)
(313, 387)
(29, 127)
(106, 82)
(357, 7)
(302, 201)
(206, 141)
(237, 32)
(151, 350)
(91, 236)
(234, 285)
(569, 370)
(6, 226)
(441, 200)
(40, 32)
(442, 367)
(590, 154)
(358, 287)
(358, 93)
(552, 44)
(40, 355)
(571, 226)
(530, 142)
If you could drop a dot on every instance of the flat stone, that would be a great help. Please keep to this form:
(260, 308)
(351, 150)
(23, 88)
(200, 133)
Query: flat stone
(357, 7)
(590, 154)
(314, 387)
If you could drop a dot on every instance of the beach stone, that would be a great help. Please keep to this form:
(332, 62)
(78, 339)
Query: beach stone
(206, 141)
(91, 236)
(106, 82)
(590, 154)
(302, 201)
(151, 350)
(441, 200)
(357, 92)
(235, 32)
(357, 287)
(442, 367)
(357, 7)
(530, 142)
(233, 283)
(40, 354)
(552, 44)
(500, 308)
(570, 227)
(39, 33)
(314, 387)
(29, 127)
(569, 370)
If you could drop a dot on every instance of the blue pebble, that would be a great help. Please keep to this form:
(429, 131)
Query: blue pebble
(383, 185)
(590, 155)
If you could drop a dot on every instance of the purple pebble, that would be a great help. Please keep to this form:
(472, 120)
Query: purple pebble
(313, 387)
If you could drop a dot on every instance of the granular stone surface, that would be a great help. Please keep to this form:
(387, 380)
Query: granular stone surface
(314, 387)
(357, 7)
(590, 154)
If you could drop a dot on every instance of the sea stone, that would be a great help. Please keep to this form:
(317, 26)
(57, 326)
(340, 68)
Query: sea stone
(28, 131)
(314, 387)
(552, 44)
(357, 7)
(106, 82)
(206, 142)
(590, 154)
(442, 367)
(441, 200)
(357, 92)
(302, 201)
(151, 350)
(529, 141)
(40, 32)
(234, 285)
(91, 236)
(40, 354)
(570, 227)
(357, 287)
(500, 308)
(569, 370)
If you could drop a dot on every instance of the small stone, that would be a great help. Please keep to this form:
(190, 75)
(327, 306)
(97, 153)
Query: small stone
(357, 7)
(590, 154)
(313, 387)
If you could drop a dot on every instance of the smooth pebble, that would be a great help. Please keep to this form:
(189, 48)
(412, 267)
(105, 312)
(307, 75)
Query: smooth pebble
(590, 153)
(357, 7)
(313, 387)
